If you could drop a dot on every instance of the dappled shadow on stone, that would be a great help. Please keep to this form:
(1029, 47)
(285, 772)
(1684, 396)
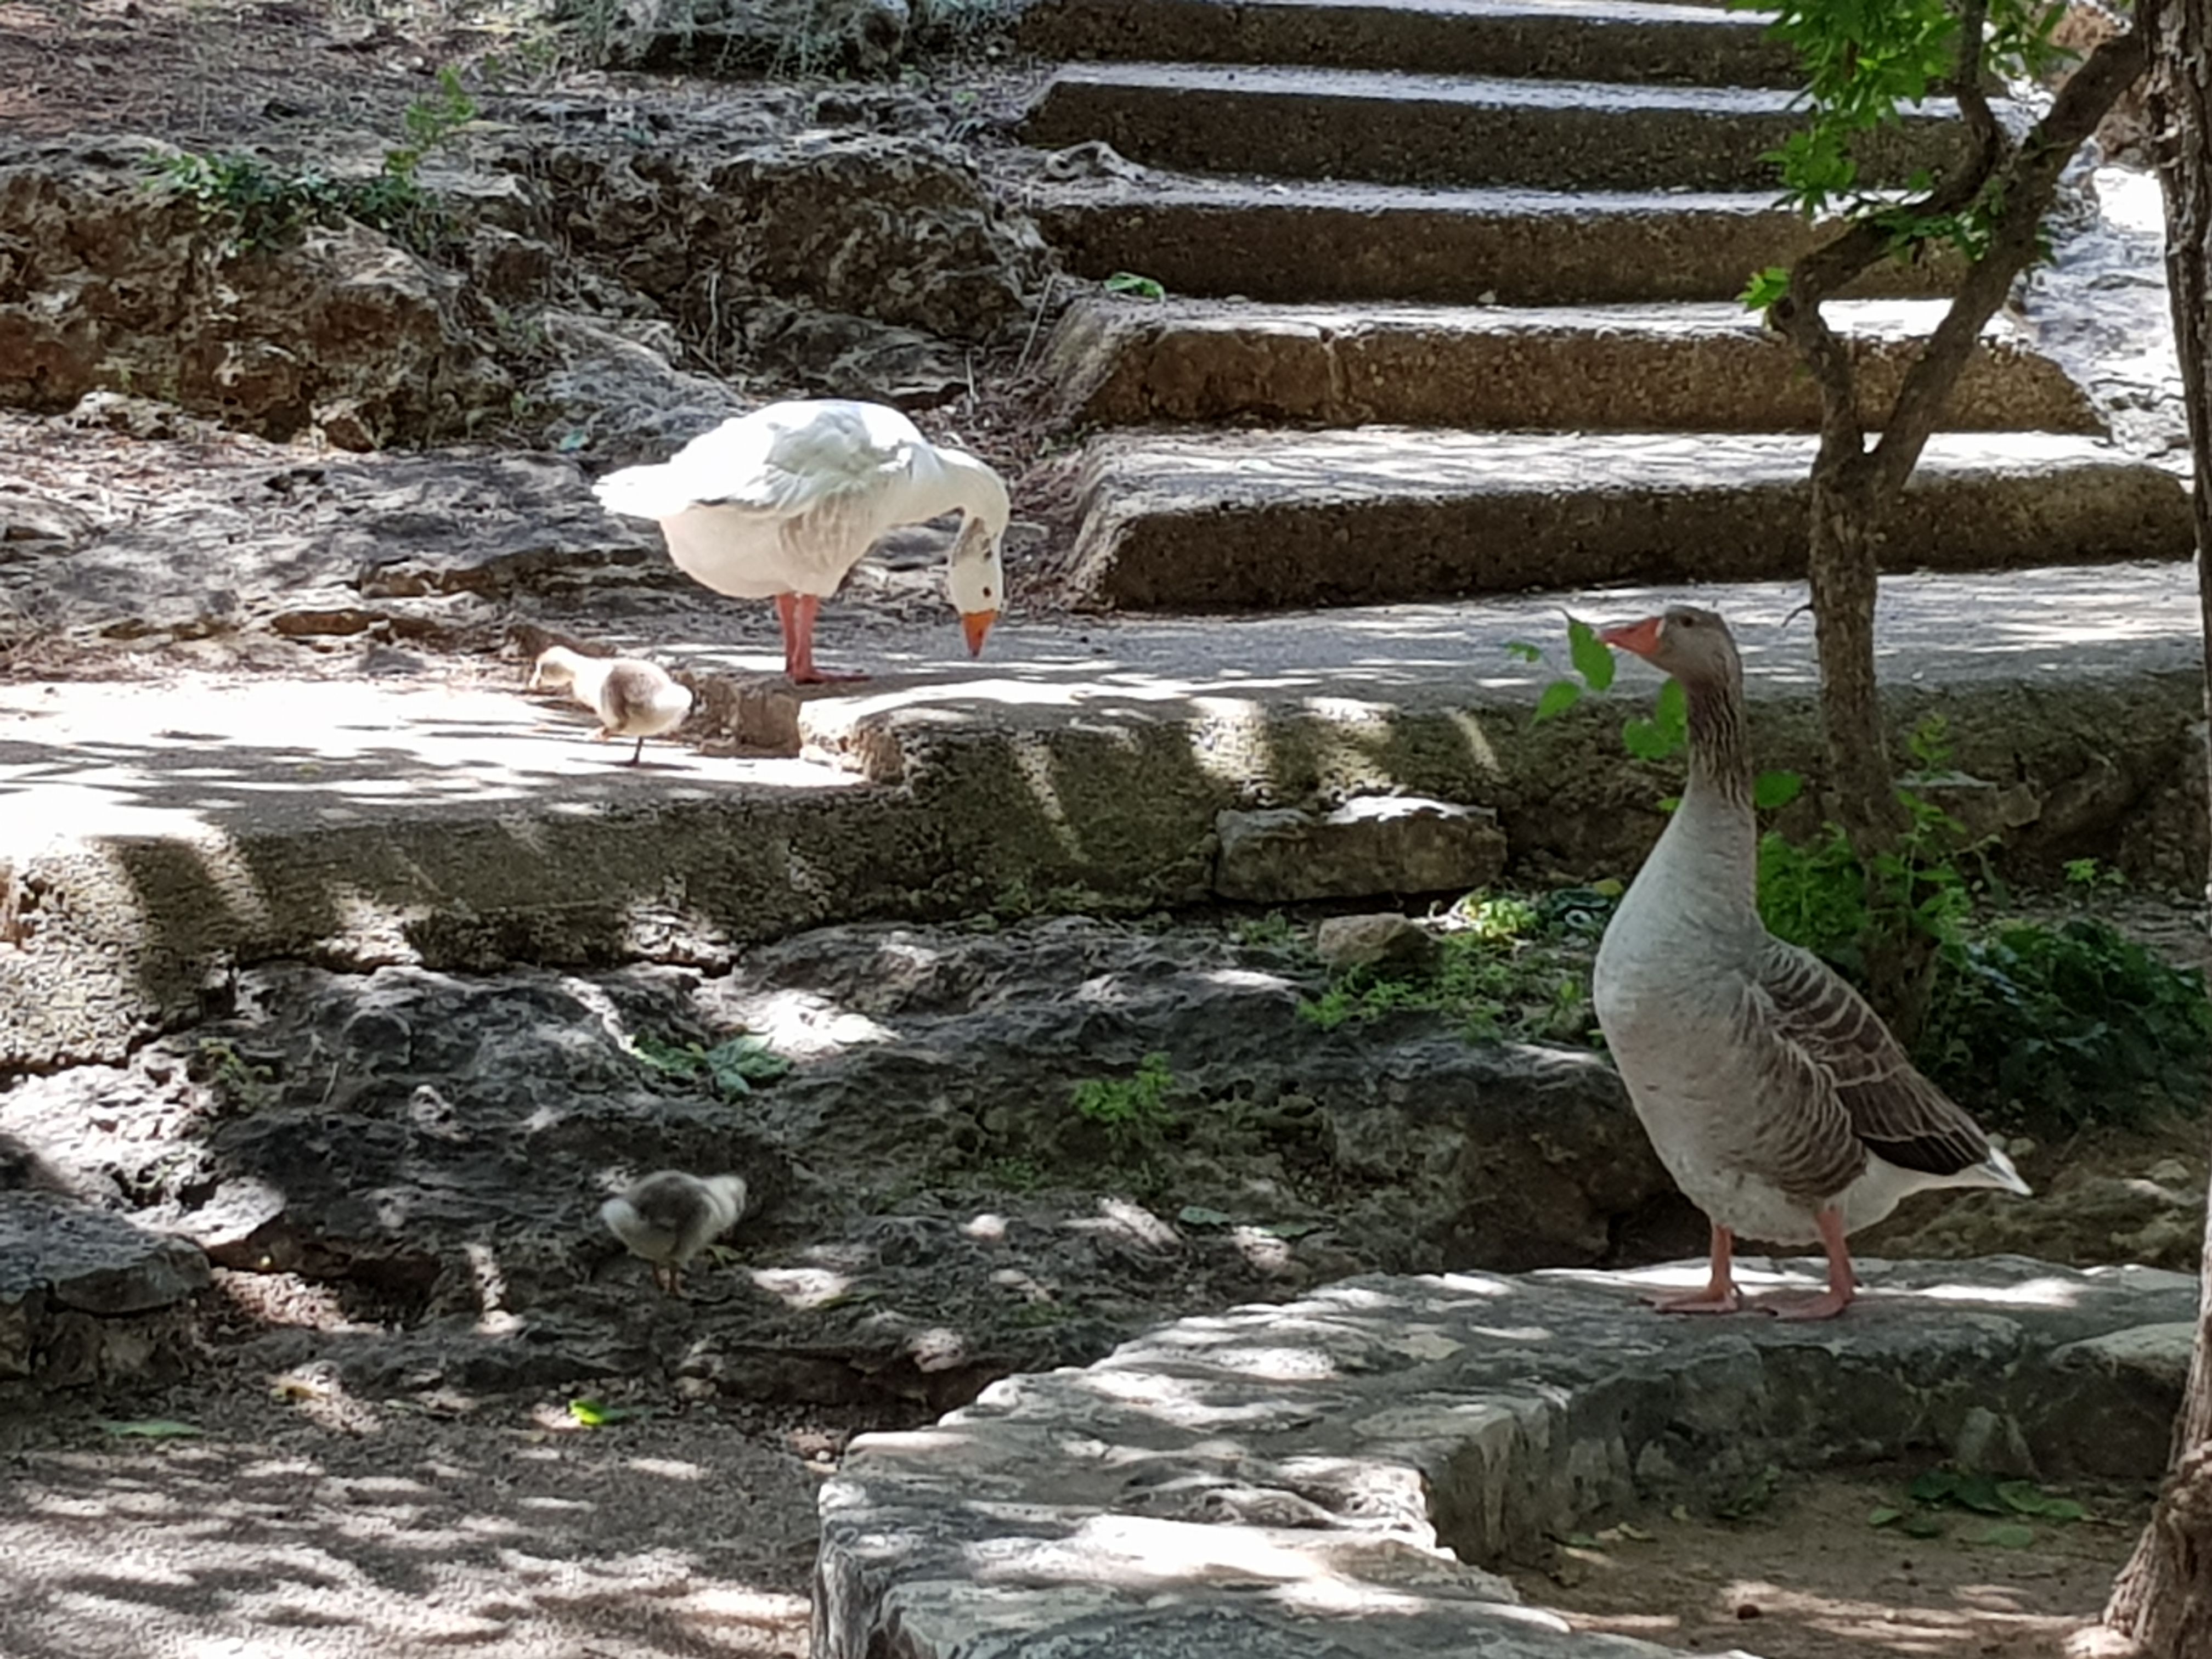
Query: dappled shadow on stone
(1255, 1478)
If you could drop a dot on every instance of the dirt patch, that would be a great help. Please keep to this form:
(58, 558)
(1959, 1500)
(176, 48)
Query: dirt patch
(301, 1517)
(1808, 1578)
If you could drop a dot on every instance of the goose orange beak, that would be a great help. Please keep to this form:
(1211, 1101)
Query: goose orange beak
(976, 625)
(1642, 637)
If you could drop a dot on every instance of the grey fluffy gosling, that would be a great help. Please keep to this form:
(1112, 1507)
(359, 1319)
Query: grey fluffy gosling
(669, 1216)
(633, 699)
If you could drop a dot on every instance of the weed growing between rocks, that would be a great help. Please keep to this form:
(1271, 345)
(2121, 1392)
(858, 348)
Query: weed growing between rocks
(264, 206)
(1133, 1111)
(1508, 967)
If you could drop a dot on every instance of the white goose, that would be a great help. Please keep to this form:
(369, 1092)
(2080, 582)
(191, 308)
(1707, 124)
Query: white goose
(669, 1216)
(632, 698)
(1777, 1100)
(782, 502)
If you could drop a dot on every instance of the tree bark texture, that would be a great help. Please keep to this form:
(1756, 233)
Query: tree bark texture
(2162, 1600)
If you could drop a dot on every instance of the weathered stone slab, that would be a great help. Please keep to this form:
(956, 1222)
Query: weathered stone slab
(1701, 367)
(77, 1286)
(360, 820)
(1437, 130)
(1238, 519)
(1253, 1483)
(1627, 41)
(1299, 239)
(1371, 844)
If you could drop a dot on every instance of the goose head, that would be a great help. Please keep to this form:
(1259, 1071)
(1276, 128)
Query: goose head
(556, 666)
(976, 579)
(1693, 645)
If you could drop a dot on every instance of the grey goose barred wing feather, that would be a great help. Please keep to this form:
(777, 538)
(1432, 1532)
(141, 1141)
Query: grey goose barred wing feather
(1902, 1117)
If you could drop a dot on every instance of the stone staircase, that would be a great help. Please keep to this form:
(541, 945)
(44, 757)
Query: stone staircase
(1452, 312)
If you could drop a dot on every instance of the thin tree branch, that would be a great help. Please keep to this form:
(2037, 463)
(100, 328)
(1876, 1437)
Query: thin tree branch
(2023, 193)
(1822, 271)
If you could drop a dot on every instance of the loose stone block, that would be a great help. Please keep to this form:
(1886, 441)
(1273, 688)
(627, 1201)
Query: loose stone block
(1373, 844)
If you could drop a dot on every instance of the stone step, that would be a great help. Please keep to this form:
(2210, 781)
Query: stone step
(1376, 514)
(1710, 367)
(1250, 1484)
(1439, 130)
(1622, 40)
(163, 832)
(1292, 241)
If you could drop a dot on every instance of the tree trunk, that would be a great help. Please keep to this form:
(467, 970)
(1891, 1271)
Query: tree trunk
(2163, 1602)
(1842, 567)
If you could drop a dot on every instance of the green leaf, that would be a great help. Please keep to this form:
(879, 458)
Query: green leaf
(1666, 731)
(1772, 790)
(736, 1065)
(1978, 1491)
(1559, 696)
(148, 1428)
(1922, 1524)
(1932, 1487)
(1766, 288)
(1592, 656)
(1197, 1215)
(2021, 1498)
(594, 1414)
(1883, 1515)
(1524, 651)
(2010, 1536)
(1136, 287)
(2064, 1509)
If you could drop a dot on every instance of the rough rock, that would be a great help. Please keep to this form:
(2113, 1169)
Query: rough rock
(845, 356)
(800, 37)
(106, 283)
(931, 1209)
(333, 547)
(1388, 940)
(1255, 1482)
(85, 1295)
(901, 229)
(1373, 844)
(2081, 1217)
(618, 392)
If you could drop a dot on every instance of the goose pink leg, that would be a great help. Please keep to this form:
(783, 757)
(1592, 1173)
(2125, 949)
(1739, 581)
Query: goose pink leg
(796, 613)
(1720, 1295)
(1843, 1282)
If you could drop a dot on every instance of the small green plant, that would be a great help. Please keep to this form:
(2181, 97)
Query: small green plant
(237, 1082)
(735, 1066)
(267, 206)
(1012, 1175)
(1508, 967)
(2011, 1503)
(1754, 1495)
(2086, 879)
(1273, 931)
(1133, 1111)
(1130, 285)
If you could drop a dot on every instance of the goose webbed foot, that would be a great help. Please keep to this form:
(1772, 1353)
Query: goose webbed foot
(1720, 1295)
(795, 612)
(1842, 1278)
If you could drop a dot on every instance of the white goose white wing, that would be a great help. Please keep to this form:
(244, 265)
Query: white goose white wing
(785, 499)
